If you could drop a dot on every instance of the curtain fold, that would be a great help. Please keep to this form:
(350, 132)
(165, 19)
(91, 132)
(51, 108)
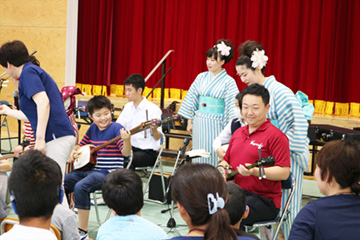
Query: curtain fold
(312, 45)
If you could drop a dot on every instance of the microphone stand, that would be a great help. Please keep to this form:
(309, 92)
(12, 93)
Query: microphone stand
(162, 78)
(171, 222)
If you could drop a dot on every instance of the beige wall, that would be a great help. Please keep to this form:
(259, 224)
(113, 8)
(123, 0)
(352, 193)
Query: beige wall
(41, 25)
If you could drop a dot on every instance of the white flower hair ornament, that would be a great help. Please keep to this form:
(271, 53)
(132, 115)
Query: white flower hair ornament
(223, 49)
(259, 59)
(217, 202)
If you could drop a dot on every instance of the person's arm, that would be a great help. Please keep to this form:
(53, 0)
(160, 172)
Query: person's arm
(275, 173)
(231, 90)
(73, 152)
(5, 110)
(43, 111)
(156, 133)
(191, 101)
(5, 166)
(291, 119)
(126, 136)
(223, 138)
(278, 147)
(156, 130)
(189, 126)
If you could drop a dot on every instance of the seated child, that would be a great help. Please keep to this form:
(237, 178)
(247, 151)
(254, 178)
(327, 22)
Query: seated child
(237, 208)
(122, 192)
(109, 158)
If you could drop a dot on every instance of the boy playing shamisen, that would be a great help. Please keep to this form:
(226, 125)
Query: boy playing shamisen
(109, 158)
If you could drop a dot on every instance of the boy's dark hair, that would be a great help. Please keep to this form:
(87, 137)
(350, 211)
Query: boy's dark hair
(136, 80)
(98, 102)
(15, 53)
(236, 203)
(257, 90)
(35, 183)
(122, 192)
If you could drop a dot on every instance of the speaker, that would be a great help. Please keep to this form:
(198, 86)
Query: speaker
(155, 187)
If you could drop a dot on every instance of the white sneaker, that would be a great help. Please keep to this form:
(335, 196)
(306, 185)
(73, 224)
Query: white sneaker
(84, 236)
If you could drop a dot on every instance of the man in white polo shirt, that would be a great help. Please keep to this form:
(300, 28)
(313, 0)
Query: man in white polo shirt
(136, 111)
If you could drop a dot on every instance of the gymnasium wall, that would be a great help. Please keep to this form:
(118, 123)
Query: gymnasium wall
(41, 25)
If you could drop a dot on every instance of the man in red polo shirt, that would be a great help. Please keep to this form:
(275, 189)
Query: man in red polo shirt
(248, 144)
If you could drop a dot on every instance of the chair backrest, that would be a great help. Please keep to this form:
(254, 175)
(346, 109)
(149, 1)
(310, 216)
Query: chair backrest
(290, 183)
(56, 231)
(162, 140)
(8, 223)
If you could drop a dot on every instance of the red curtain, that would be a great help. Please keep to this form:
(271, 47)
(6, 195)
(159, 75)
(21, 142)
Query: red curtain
(313, 45)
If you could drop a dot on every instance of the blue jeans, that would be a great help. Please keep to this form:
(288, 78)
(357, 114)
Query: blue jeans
(82, 183)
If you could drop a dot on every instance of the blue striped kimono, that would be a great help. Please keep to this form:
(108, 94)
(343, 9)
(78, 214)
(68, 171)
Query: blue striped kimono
(286, 111)
(207, 126)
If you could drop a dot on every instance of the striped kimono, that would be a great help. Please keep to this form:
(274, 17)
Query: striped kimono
(207, 126)
(286, 111)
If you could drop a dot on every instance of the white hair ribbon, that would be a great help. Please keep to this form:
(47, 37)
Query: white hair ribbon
(223, 49)
(259, 59)
(217, 203)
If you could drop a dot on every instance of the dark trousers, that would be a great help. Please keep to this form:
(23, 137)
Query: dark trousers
(261, 209)
(143, 157)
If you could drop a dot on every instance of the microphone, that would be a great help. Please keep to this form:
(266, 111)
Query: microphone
(183, 149)
(16, 99)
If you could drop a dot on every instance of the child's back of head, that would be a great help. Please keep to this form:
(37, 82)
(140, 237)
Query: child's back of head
(122, 192)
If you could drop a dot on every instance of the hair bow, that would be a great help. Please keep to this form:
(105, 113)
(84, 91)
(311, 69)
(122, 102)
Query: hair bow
(217, 203)
(223, 49)
(259, 59)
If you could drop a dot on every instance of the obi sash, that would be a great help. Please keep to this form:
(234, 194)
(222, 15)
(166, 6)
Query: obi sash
(211, 105)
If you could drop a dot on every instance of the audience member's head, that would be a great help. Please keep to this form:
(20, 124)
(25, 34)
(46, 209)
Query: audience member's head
(35, 185)
(200, 192)
(236, 204)
(122, 192)
(338, 161)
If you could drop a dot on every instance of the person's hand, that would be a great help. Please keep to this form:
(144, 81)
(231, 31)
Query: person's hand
(40, 145)
(27, 148)
(154, 128)
(125, 135)
(4, 109)
(5, 165)
(244, 171)
(189, 127)
(220, 152)
(222, 171)
(73, 152)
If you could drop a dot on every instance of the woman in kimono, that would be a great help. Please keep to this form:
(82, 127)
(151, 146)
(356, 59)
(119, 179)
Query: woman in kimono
(285, 113)
(209, 103)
